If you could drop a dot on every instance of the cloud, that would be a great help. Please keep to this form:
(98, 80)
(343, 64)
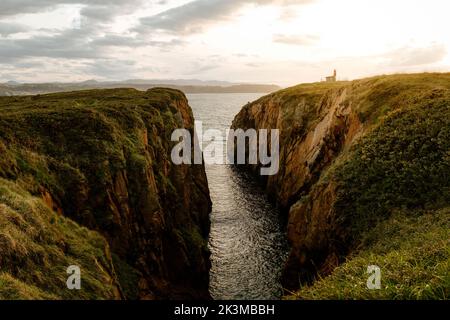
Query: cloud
(111, 40)
(92, 48)
(70, 44)
(7, 29)
(115, 40)
(193, 16)
(111, 68)
(91, 39)
(107, 10)
(287, 14)
(204, 65)
(253, 65)
(245, 55)
(297, 40)
(102, 9)
(409, 56)
(199, 69)
(75, 44)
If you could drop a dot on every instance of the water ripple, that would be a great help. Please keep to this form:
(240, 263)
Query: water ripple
(247, 241)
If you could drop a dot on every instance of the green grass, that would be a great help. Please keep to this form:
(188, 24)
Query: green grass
(404, 162)
(37, 246)
(411, 248)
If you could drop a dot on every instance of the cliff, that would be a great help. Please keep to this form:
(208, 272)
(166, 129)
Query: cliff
(355, 156)
(87, 180)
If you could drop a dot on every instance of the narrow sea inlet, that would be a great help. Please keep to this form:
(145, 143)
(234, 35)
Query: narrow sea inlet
(247, 241)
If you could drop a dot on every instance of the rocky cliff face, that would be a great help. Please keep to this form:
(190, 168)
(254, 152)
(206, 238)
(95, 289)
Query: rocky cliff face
(350, 153)
(101, 158)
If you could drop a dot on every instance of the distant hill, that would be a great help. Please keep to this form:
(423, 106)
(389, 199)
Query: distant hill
(187, 86)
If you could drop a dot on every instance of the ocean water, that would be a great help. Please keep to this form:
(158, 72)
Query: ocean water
(247, 241)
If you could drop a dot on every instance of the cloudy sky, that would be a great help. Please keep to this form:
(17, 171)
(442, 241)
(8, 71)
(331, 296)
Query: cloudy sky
(265, 41)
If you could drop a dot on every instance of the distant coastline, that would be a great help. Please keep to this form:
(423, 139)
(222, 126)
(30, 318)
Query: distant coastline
(18, 89)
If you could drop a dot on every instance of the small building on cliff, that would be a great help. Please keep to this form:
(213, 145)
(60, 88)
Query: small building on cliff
(331, 78)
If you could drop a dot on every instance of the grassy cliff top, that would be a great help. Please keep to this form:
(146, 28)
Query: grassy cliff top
(371, 97)
(81, 130)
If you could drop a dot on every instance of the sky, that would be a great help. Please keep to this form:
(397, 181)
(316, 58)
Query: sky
(283, 42)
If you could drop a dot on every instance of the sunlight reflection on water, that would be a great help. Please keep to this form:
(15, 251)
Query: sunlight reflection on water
(247, 241)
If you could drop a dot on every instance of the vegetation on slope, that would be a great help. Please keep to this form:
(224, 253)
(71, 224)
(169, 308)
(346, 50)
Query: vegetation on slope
(403, 162)
(37, 246)
(102, 159)
(412, 248)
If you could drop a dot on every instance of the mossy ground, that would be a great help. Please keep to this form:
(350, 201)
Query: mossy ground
(412, 250)
(402, 162)
(37, 246)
